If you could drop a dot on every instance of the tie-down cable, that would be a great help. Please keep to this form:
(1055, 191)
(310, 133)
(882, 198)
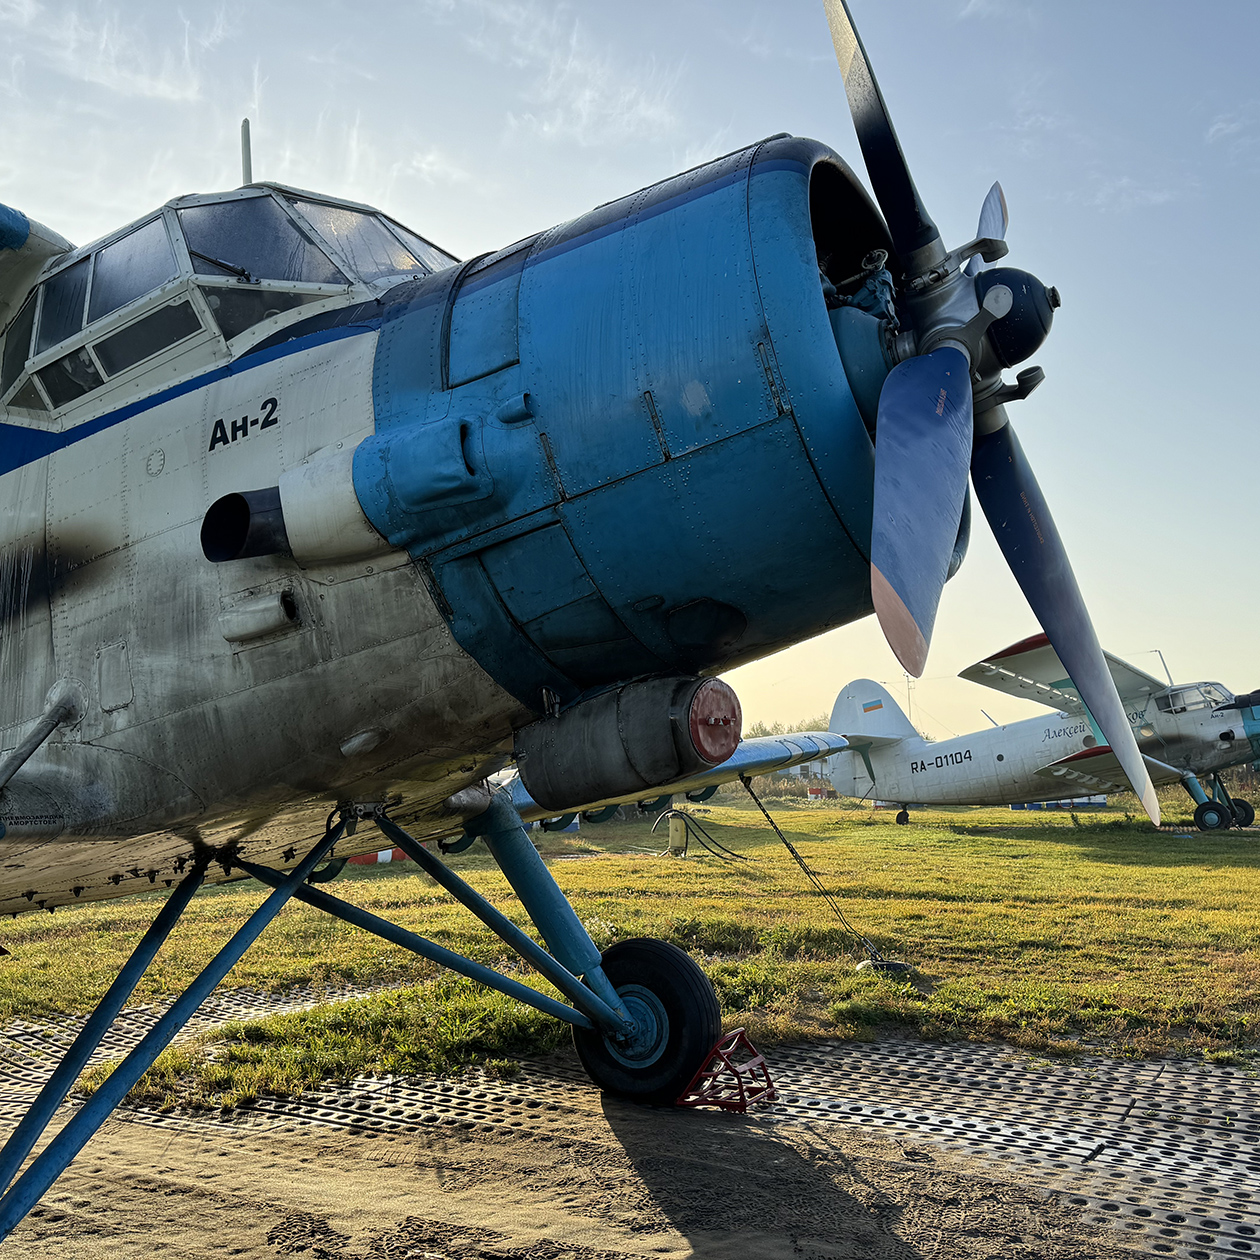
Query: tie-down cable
(874, 961)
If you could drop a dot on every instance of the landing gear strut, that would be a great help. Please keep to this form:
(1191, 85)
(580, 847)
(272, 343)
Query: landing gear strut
(1219, 811)
(644, 1015)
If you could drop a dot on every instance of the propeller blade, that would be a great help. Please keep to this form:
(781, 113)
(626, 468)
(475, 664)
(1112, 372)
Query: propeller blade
(908, 221)
(995, 218)
(922, 448)
(1025, 531)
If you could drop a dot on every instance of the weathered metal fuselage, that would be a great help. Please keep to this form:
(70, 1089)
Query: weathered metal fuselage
(618, 449)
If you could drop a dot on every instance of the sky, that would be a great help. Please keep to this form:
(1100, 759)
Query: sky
(1126, 136)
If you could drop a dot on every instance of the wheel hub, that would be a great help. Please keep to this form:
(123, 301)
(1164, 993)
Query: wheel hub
(647, 1043)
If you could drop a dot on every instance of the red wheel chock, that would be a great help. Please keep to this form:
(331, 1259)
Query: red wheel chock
(733, 1077)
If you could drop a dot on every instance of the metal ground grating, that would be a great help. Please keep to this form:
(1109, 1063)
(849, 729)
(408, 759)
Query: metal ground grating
(1167, 1154)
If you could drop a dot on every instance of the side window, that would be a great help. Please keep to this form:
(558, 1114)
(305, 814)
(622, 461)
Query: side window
(62, 315)
(130, 268)
(147, 336)
(432, 257)
(17, 345)
(372, 249)
(255, 240)
(70, 377)
(237, 309)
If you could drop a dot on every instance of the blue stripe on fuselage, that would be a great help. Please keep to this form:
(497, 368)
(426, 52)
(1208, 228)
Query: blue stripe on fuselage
(20, 445)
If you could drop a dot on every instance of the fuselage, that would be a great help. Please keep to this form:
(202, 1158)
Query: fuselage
(584, 459)
(1001, 765)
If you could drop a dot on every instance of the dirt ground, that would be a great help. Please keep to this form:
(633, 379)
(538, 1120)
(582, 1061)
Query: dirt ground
(615, 1182)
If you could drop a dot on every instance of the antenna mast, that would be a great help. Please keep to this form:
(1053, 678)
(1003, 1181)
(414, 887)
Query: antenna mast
(247, 160)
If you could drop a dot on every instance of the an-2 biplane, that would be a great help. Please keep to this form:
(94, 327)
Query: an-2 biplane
(1188, 733)
(303, 515)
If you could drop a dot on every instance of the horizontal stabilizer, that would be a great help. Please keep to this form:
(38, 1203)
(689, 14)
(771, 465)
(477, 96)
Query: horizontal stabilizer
(1031, 669)
(764, 755)
(1099, 770)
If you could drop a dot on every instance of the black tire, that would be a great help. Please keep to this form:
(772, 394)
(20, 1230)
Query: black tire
(903, 818)
(674, 1001)
(1213, 816)
(1244, 812)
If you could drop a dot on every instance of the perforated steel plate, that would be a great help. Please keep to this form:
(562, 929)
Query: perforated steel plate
(1166, 1154)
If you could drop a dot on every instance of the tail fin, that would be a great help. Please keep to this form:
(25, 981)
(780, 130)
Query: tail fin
(865, 710)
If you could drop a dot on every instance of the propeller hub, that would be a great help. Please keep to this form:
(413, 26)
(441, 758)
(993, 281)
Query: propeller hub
(1020, 333)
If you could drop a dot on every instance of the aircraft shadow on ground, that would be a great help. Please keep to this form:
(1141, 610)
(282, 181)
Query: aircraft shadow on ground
(735, 1188)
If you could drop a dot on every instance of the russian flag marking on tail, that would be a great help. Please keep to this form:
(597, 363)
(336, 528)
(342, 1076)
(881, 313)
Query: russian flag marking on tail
(871, 705)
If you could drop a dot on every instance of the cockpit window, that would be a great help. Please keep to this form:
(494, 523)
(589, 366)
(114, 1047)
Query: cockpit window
(130, 268)
(372, 249)
(1173, 701)
(62, 313)
(17, 344)
(432, 257)
(255, 240)
(1187, 699)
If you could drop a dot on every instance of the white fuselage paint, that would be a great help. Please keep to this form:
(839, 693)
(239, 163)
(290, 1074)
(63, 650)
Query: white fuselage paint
(102, 581)
(999, 766)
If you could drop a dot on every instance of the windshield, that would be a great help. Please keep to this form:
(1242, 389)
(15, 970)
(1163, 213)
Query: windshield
(372, 249)
(1187, 699)
(253, 239)
(62, 313)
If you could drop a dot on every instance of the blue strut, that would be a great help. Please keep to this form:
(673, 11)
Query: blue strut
(425, 948)
(56, 1156)
(505, 836)
(42, 1110)
(1194, 787)
(610, 1015)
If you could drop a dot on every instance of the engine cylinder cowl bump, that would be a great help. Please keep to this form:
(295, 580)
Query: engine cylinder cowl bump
(313, 515)
(634, 739)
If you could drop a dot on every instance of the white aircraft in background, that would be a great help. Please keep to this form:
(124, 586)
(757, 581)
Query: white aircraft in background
(1185, 732)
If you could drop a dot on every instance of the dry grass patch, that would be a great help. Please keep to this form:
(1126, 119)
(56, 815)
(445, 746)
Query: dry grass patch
(1025, 927)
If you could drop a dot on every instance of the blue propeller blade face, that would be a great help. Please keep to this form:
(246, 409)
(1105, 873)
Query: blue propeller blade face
(1022, 524)
(922, 449)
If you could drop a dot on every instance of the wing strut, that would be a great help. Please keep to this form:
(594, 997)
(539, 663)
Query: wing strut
(53, 1160)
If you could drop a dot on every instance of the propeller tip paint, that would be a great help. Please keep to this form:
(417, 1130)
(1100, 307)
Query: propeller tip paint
(899, 627)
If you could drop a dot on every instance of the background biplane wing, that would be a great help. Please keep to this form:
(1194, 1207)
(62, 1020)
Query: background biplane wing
(1099, 770)
(1031, 669)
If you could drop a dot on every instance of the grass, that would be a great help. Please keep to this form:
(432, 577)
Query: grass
(1039, 929)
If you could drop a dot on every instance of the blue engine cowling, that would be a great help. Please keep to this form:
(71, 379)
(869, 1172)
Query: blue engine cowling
(627, 446)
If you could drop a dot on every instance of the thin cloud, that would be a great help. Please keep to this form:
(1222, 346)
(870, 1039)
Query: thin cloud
(571, 90)
(1235, 134)
(107, 51)
(1125, 194)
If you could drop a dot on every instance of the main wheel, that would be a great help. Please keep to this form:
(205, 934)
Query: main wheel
(902, 818)
(1244, 812)
(1213, 816)
(676, 1010)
